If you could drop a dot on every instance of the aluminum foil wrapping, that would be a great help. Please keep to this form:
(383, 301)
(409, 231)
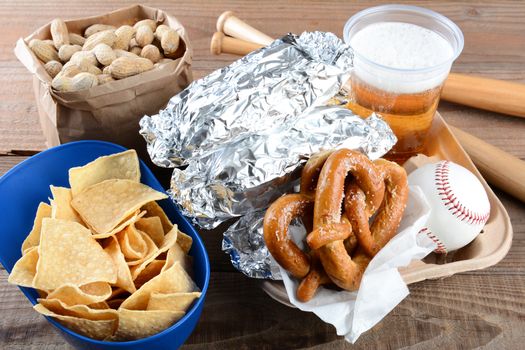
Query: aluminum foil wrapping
(252, 171)
(242, 134)
(244, 242)
(244, 131)
(268, 87)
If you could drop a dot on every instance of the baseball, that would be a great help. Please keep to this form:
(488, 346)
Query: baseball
(459, 205)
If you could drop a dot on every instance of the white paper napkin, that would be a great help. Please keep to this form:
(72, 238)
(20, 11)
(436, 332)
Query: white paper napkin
(382, 287)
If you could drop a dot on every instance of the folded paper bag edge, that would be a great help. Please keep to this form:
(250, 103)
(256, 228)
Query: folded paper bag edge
(30, 61)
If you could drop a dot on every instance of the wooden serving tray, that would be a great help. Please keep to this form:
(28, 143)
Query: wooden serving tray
(486, 250)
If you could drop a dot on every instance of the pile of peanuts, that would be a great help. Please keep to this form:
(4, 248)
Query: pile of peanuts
(104, 53)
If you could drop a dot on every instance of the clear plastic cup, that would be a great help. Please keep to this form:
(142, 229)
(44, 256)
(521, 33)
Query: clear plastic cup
(406, 98)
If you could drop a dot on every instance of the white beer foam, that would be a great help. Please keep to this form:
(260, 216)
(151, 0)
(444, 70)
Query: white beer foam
(401, 46)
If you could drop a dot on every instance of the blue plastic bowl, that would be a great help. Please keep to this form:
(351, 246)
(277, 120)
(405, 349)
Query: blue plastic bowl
(27, 184)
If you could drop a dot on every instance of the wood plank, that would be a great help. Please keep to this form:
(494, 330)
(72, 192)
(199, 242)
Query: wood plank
(423, 319)
(478, 307)
(495, 47)
(7, 162)
(475, 309)
(499, 130)
(221, 262)
(472, 310)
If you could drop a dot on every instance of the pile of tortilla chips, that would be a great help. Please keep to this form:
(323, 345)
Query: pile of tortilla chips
(107, 261)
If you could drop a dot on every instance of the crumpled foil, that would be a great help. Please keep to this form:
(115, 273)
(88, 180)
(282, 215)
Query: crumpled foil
(244, 131)
(244, 242)
(268, 87)
(252, 171)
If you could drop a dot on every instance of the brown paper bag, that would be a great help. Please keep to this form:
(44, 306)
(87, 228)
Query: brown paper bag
(111, 111)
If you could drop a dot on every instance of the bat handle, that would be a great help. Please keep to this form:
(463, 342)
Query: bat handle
(229, 24)
(221, 43)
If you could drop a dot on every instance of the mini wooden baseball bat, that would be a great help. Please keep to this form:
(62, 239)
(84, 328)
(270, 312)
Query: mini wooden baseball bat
(222, 43)
(229, 24)
(490, 94)
(483, 93)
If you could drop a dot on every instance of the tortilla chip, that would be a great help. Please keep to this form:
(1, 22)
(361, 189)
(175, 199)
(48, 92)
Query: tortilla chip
(61, 207)
(96, 329)
(69, 255)
(137, 324)
(124, 165)
(104, 205)
(176, 254)
(96, 288)
(184, 242)
(151, 252)
(132, 244)
(154, 209)
(152, 226)
(151, 270)
(125, 223)
(33, 238)
(102, 305)
(169, 240)
(124, 279)
(82, 311)
(172, 302)
(91, 293)
(173, 280)
(24, 271)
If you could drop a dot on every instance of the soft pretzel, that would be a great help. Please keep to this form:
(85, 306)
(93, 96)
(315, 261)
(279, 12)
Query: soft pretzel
(379, 186)
(309, 178)
(350, 241)
(313, 280)
(372, 239)
(277, 219)
(324, 234)
(346, 271)
(339, 266)
(311, 171)
(330, 187)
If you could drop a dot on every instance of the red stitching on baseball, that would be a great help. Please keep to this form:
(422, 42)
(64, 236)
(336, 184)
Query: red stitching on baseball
(451, 202)
(440, 246)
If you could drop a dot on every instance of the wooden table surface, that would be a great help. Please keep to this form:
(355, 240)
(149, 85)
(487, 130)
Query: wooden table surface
(480, 309)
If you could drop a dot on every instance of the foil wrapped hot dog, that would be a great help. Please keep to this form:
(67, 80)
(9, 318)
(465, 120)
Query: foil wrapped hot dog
(244, 131)
(255, 93)
(253, 170)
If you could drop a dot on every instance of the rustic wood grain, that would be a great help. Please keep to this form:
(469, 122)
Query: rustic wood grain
(470, 310)
(465, 311)
(479, 309)
(494, 47)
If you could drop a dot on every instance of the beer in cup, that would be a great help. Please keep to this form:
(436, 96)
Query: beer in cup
(402, 56)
